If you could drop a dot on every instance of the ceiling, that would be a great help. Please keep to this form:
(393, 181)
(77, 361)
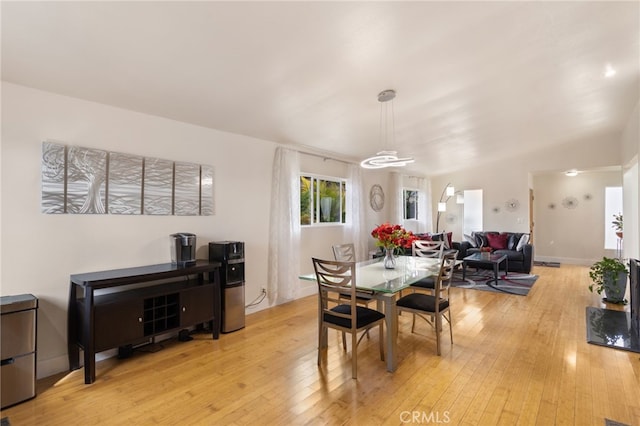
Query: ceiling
(472, 78)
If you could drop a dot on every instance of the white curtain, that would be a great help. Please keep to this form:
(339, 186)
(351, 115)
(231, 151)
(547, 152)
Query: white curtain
(354, 228)
(396, 198)
(284, 227)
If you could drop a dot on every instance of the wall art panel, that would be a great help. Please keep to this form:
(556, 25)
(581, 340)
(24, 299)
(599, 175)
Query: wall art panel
(206, 191)
(125, 183)
(86, 180)
(53, 177)
(186, 200)
(158, 186)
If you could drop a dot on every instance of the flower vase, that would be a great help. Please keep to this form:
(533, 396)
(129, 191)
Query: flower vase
(389, 259)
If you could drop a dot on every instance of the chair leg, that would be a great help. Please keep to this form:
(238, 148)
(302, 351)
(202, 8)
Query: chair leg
(344, 341)
(413, 322)
(321, 341)
(354, 356)
(450, 328)
(438, 328)
(381, 342)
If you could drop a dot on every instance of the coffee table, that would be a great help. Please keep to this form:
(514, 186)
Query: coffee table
(493, 260)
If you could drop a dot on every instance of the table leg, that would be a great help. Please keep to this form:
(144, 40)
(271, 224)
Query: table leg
(87, 343)
(464, 270)
(72, 329)
(391, 322)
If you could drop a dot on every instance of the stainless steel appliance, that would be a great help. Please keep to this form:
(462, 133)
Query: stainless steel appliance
(18, 324)
(183, 248)
(231, 255)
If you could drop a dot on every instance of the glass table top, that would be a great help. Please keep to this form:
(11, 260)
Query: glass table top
(372, 275)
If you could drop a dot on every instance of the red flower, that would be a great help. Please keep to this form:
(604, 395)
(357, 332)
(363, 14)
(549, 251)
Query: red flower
(393, 236)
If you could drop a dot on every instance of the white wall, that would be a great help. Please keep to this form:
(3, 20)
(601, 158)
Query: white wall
(572, 235)
(630, 158)
(40, 251)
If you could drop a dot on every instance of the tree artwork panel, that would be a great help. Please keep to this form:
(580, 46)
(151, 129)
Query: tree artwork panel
(86, 180)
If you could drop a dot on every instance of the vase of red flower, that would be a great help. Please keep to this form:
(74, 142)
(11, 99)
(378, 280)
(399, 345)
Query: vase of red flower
(485, 253)
(390, 238)
(389, 260)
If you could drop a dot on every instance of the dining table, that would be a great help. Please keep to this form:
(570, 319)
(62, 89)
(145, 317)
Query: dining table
(384, 285)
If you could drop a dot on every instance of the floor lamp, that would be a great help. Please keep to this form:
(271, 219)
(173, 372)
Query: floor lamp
(448, 191)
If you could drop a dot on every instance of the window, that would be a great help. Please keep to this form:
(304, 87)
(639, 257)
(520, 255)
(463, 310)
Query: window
(612, 205)
(322, 200)
(410, 197)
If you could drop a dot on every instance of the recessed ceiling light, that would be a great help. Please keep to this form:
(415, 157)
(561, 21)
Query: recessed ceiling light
(609, 71)
(571, 173)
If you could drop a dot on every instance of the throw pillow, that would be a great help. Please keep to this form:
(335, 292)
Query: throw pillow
(441, 237)
(448, 242)
(497, 241)
(471, 239)
(481, 240)
(523, 241)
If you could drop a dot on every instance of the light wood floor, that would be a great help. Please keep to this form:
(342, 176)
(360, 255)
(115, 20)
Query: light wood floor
(515, 361)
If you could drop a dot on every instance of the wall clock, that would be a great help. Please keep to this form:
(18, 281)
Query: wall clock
(376, 198)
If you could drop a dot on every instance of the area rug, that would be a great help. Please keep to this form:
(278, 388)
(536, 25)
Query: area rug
(482, 279)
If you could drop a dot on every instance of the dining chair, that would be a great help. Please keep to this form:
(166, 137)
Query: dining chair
(431, 249)
(434, 306)
(347, 253)
(344, 252)
(335, 278)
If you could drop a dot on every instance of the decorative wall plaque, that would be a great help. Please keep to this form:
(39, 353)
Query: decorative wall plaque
(512, 205)
(570, 202)
(376, 198)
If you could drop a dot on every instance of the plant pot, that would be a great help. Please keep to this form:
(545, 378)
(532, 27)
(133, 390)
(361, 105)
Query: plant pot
(615, 286)
(619, 234)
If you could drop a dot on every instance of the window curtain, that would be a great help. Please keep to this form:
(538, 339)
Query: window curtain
(396, 198)
(354, 228)
(284, 227)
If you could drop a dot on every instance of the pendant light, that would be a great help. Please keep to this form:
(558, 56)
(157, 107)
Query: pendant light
(386, 158)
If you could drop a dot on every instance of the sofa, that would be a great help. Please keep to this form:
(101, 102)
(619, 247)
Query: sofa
(514, 244)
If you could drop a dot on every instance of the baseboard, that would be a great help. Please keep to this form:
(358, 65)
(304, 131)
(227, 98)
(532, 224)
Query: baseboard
(565, 260)
(51, 366)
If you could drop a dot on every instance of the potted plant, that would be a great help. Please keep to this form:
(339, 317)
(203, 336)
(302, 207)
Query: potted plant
(609, 275)
(616, 224)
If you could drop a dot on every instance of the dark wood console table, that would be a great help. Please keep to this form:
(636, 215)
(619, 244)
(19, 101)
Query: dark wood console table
(144, 302)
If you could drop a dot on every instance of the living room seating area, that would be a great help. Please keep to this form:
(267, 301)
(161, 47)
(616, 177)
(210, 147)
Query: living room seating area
(513, 244)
